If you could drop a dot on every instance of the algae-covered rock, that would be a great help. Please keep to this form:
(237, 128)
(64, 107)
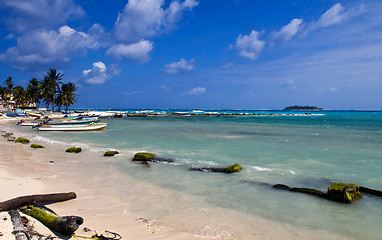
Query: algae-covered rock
(74, 150)
(234, 168)
(34, 145)
(110, 153)
(343, 192)
(22, 140)
(143, 156)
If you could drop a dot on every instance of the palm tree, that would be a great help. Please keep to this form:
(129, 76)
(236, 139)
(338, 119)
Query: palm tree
(54, 81)
(67, 95)
(33, 92)
(46, 91)
(19, 96)
(8, 89)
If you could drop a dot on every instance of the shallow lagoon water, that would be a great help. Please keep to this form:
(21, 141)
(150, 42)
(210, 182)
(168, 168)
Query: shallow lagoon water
(300, 151)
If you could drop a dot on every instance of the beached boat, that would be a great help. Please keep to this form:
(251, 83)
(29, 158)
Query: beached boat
(34, 114)
(74, 127)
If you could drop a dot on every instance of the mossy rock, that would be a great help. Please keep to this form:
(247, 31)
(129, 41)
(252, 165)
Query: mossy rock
(143, 156)
(74, 150)
(110, 153)
(22, 140)
(343, 192)
(234, 168)
(34, 145)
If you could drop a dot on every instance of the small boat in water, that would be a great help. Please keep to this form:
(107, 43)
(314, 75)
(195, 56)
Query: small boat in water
(74, 127)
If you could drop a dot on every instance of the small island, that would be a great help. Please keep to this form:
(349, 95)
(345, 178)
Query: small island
(302, 108)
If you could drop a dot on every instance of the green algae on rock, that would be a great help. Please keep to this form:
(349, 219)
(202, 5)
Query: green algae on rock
(74, 150)
(234, 168)
(34, 145)
(110, 153)
(343, 192)
(22, 140)
(144, 156)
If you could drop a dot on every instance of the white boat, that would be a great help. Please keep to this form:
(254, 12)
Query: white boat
(74, 127)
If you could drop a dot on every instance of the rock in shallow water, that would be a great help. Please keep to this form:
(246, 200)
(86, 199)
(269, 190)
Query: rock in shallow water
(343, 192)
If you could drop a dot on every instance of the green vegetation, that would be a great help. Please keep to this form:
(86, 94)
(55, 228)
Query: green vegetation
(110, 153)
(302, 108)
(22, 140)
(34, 145)
(49, 90)
(234, 168)
(74, 150)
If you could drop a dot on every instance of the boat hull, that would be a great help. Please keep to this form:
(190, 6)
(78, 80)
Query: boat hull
(74, 128)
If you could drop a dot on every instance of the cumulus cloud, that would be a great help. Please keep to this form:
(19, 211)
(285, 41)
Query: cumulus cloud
(145, 18)
(25, 15)
(196, 91)
(288, 31)
(181, 65)
(334, 15)
(249, 46)
(99, 74)
(137, 51)
(42, 48)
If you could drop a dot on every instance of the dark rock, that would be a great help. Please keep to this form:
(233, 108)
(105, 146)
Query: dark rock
(343, 192)
(370, 191)
(110, 153)
(162, 160)
(230, 169)
(22, 140)
(281, 187)
(207, 169)
(308, 191)
(74, 150)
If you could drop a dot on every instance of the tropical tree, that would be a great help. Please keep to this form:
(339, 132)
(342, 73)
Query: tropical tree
(33, 92)
(45, 91)
(8, 88)
(53, 85)
(19, 96)
(67, 95)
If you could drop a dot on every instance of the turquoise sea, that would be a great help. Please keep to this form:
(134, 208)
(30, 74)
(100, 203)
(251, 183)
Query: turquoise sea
(293, 148)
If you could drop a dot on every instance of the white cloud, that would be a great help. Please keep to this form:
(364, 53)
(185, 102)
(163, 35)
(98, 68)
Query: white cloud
(25, 15)
(137, 51)
(288, 31)
(181, 65)
(196, 91)
(133, 92)
(42, 48)
(145, 18)
(334, 15)
(249, 46)
(96, 75)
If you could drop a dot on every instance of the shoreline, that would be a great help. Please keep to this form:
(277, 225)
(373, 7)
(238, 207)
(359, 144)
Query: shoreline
(145, 211)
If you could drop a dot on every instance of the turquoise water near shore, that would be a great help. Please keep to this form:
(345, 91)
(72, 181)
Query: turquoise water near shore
(298, 150)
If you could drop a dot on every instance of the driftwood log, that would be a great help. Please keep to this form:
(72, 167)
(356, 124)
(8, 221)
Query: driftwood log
(18, 227)
(65, 225)
(41, 198)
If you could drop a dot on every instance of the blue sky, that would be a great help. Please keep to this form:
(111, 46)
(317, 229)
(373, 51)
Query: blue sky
(211, 54)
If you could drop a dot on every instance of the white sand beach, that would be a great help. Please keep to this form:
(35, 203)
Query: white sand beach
(26, 171)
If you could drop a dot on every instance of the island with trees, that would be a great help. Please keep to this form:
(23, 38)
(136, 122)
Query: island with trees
(302, 108)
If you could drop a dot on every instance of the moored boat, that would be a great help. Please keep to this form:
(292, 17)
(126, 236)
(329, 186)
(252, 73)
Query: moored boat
(74, 127)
